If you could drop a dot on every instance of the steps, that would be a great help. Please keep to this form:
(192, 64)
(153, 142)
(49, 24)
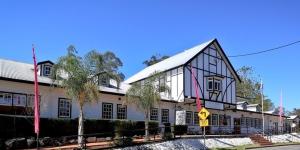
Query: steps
(257, 138)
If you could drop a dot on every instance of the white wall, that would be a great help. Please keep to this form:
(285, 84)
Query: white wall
(210, 63)
(50, 96)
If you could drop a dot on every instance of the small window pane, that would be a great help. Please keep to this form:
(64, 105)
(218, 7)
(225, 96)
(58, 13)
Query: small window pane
(107, 111)
(64, 109)
(154, 114)
(121, 111)
(165, 115)
(188, 117)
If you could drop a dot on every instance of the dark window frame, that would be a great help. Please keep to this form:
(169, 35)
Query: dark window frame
(196, 118)
(119, 113)
(44, 70)
(189, 121)
(152, 116)
(112, 110)
(165, 119)
(59, 107)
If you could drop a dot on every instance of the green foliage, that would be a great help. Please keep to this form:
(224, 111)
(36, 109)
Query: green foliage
(23, 127)
(80, 77)
(153, 128)
(250, 88)
(145, 95)
(180, 129)
(154, 59)
(123, 141)
(295, 111)
(167, 132)
(124, 128)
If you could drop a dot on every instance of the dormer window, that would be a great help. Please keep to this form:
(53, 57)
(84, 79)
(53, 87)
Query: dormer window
(47, 70)
(214, 84)
(104, 82)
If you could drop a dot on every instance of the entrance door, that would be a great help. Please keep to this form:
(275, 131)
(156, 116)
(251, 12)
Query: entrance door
(237, 125)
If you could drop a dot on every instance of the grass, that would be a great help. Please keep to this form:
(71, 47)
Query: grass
(243, 147)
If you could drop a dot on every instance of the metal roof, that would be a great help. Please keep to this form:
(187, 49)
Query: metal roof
(169, 63)
(23, 72)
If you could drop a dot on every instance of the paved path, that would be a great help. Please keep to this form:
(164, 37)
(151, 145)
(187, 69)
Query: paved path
(290, 147)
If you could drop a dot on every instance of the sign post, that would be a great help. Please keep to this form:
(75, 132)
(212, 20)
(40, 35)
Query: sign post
(203, 121)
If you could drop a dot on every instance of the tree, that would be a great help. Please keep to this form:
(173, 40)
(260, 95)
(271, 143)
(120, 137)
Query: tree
(277, 110)
(80, 77)
(296, 111)
(250, 87)
(145, 96)
(154, 59)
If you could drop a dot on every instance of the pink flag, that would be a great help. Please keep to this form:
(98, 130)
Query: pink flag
(36, 97)
(280, 109)
(196, 89)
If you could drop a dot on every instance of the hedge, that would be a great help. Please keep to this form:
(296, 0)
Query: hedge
(11, 127)
(180, 129)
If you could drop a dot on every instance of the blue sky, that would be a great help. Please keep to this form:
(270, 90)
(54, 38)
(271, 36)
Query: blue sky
(135, 30)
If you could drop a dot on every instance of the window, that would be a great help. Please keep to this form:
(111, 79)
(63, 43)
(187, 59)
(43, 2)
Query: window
(104, 81)
(154, 114)
(188, 117)
(210, 84)
(162, 84)
(213, 84)
(6, 99)
(243, 121)
(19, 100)
(165, 115)
(47, 70)
(222, 120)
(196, 118)
(252, 122)
(214, 119)
(228, 120)
(64, 108)
(248, 122)
(121, 111)
(107, 110)
(217, 84)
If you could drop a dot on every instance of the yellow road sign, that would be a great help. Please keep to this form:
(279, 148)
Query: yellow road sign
(203, 113)
(203, 123)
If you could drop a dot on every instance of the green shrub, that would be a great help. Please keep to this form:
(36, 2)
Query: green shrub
(153, 128)
(105, 127)
(126, 141)
(167, 135)
(180, 129)
(124, 128)
(139, 128)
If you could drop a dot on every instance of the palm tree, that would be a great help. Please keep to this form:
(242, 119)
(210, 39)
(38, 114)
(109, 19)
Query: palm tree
(145, 96)
(80, 77)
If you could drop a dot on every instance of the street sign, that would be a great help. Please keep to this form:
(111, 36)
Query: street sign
(203, 123)
(203, 113)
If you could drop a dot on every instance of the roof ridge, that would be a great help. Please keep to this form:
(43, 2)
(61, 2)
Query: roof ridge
(155, 67)
(15, 61)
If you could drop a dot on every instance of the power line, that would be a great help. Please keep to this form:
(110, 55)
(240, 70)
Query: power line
(264, 51)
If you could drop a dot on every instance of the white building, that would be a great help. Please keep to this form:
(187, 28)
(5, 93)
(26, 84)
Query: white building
(216, 80)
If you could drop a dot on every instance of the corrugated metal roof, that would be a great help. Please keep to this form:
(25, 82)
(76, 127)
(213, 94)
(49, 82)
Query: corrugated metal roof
(19, 71)
(169, 63)
(24, 72)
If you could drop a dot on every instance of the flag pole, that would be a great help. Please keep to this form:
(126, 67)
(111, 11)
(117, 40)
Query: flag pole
(262, 111)
(281, 111)
(36, 100)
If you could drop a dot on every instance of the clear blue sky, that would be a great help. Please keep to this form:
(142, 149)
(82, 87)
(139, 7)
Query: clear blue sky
(135, 30)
